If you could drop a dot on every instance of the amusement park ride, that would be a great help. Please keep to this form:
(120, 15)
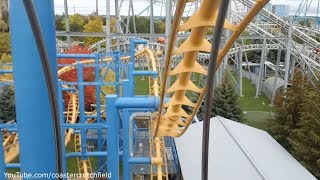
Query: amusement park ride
(126, 130)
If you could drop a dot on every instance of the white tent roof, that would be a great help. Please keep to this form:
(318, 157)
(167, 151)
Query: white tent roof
(237, 151)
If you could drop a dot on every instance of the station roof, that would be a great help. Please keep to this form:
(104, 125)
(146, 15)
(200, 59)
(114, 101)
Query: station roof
(237, 151)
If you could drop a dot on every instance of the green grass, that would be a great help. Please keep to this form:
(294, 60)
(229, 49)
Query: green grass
(249, 103)
(257, 119)
(257, 110)
(141, 85)
(72, 166)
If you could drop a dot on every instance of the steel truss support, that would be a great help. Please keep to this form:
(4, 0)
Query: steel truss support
(151, 21)
(240, 72)
(288, 54)
(261, 68)
(247, 62)
(66, 12)
(117, 17)
(167, 31)
(276, 75)
(292, 67)
(108, 25)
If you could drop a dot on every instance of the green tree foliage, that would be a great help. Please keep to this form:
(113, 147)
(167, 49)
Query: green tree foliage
(3, 26)
(287, 110)
(159, 27)
(297, 122)
(305, 140)
(59, 22)
(143, 25)
(225, 101)
(5, 46)
(95, 25)
(7, 104)
(76, 23)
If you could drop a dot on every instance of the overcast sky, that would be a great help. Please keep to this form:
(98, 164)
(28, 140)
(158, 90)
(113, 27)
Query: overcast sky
(88, 6)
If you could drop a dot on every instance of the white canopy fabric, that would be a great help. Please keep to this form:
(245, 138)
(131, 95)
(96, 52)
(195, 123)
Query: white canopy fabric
(237, 151)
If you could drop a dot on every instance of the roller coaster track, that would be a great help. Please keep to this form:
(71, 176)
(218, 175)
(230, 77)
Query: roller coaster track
(307, 53)
(11, 145)
(277, 20)
(308, 30)
(308, 56)
(71, 114)
(172, 120)
(203, 57)
(157, 145)
(84, 165)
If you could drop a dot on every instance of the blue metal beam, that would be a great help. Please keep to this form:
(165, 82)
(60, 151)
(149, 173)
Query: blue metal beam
(145, 73)
(113, 136)
(137, 102)
(76, 56)
(140, 160)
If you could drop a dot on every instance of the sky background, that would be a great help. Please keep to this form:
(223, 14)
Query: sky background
(88, 6)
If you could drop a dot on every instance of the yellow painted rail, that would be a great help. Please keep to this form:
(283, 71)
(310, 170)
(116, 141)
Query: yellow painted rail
(172, 119)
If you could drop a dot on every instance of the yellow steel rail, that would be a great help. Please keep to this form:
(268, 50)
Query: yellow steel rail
(157, 146)
(172, 119)
(84, 165)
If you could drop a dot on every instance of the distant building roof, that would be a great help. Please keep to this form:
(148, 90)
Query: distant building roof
(237, 151)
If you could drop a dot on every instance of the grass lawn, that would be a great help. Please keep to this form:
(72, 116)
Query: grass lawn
(141, 85)
(249, 103)
(257, 110)
(257, 119)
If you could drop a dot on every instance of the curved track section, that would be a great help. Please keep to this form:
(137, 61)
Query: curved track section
(11, 146)
(10, 140)
(172, 118)
(157, 145)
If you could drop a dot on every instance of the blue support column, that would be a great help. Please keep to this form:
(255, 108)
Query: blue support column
(126, 147)
(117, 70)
(98, 105)
(126, 88)
(131, 79)
(61, 116)
(81, 106)
(113, 136)
(125, 122)
(133, 42)
(2, 163)
(34, 115)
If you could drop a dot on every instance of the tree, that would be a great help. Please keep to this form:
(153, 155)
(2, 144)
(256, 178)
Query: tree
(287, 110)
(76, 22)
(142, 24)
(5, 46)
(7, 104)
(72, 76)
(225, 101)
(95, 25)
(60, 26)
(305, 139)
(3, 26)
(159, 27)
